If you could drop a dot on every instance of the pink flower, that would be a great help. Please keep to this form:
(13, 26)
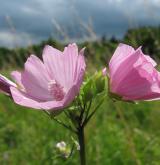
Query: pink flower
(52, 84)
(132, 74)
(5, 85)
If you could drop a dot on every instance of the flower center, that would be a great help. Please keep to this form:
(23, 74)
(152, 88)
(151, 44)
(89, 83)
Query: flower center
(56, 90)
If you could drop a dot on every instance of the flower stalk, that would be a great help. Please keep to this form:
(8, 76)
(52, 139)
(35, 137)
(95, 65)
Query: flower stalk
(81, 139)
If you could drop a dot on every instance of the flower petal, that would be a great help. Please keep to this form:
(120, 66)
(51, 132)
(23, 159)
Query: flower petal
(23, 99)
(16, 75)
(139, 85)
(120, 55)
(59, 105)
(35, 79)
(79, 70)
(124, 68)
(149, 59)
(54, 63)
(64, 68)
(70, 61)
(52, 105)
(5, 84)
(63, 65)
(72, 93)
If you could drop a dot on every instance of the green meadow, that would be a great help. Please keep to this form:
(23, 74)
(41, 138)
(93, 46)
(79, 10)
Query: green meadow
(118, 134)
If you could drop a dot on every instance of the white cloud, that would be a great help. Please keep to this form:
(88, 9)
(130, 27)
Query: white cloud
(110, 17)
(155, 2)
(6, 38)
(30, 10)
(10, 39)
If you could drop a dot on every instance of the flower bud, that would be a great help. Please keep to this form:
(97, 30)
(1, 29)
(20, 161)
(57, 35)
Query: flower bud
(63, 149)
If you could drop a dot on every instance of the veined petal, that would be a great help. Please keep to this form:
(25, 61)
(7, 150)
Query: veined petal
(122, 52)
(58, 105)
(133, 76)
(54, 62)
(17, 77)
(149, 59)
(54, 106)
(79, 69)
(140, 85)
(70, 55)
(124, 68)
(63, 65)
(23, 99)
(35, 79)
(72, 93)
(154, 93)
(52, 85)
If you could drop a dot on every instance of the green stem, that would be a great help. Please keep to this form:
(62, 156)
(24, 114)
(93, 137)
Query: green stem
(60, 122)
(81, 139)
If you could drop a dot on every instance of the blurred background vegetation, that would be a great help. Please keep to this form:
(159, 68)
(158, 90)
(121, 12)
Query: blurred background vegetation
(97, 52)
(128, 135)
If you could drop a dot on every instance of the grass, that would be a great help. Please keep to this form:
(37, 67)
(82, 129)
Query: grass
(125, 134)
(129, 137)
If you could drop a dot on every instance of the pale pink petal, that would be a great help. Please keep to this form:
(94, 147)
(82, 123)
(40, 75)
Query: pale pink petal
(63, 65)
(52, 105)
(17, 77)
(124, 68)
(134, 77)
(44, 82)
(149, 59)
(80, 63)
(122, 52)
(134, 85)
(139, 85)
(35, 79)
(154, 93)
(23, 99)
(54, 63)
(150, 96)
(79, 70)
(58, 105)
(72, 93)
(70, 58)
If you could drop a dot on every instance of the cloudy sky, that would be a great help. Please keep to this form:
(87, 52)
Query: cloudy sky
(23, 22)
